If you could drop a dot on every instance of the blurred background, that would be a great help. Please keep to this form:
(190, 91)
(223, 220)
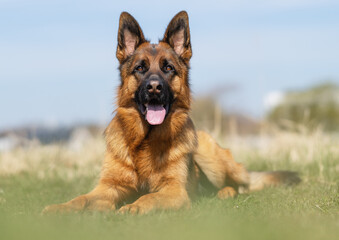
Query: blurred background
(256, 65)
(265, 81)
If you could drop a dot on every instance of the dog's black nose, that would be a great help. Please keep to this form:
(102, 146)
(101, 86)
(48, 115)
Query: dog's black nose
(154, 86)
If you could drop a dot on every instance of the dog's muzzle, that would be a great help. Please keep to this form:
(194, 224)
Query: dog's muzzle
(154, 98)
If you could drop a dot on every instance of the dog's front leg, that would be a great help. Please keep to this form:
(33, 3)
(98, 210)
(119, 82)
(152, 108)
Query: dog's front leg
(116, 184)
(172, 196)
(102, 198)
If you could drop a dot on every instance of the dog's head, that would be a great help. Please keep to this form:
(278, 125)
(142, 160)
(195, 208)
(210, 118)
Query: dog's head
(154, 77)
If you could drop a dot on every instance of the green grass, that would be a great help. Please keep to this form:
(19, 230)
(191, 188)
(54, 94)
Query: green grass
(307, 211)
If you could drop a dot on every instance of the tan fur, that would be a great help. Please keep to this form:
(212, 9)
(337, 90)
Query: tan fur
(158, 167)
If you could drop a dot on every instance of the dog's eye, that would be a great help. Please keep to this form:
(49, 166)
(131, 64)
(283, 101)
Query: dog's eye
(139, 68)
(168, 68)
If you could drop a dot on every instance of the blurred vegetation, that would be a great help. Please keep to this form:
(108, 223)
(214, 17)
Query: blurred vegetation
(208, 115)
(312, 107)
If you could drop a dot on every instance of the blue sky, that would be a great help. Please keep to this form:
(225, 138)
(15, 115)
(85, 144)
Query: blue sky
(58, 65)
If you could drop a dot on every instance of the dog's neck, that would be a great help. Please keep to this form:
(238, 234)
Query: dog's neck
(141, 131)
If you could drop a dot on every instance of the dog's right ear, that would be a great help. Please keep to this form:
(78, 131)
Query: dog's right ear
(130, 36)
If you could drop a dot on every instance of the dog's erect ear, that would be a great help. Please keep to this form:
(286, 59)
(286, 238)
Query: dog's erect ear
(130, 36)
(177, 35)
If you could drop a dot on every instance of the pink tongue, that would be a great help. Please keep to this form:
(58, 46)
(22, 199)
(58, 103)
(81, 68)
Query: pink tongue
(155, 114)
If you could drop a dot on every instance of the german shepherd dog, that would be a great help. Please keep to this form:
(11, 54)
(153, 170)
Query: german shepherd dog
(154, 155)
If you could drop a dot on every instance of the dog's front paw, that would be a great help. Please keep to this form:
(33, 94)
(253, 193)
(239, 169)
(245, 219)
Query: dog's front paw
(53, 209)
(135, 209)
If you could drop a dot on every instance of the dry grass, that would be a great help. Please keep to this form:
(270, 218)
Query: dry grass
(272, 147)
(48, 160)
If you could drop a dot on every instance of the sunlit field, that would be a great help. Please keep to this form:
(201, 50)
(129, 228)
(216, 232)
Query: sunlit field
(36, 176)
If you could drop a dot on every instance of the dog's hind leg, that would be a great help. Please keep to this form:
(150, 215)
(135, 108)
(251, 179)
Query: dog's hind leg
(219, 166)
(227, 192)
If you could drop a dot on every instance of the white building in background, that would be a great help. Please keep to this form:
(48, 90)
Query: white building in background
(11, 141)
(79, 138)
(273, 99)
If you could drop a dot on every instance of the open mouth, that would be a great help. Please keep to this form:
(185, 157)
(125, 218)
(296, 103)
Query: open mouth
(154, 106)
(154, 112)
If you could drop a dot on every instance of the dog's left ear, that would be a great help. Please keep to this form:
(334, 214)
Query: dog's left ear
(130, 36)
(177, 35)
